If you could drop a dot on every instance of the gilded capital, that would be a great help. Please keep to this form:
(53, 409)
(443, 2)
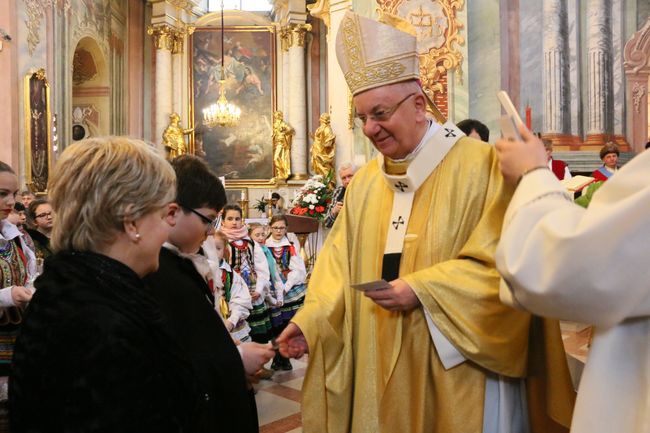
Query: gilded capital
(285, 38)
(163, 36)
(298, 32)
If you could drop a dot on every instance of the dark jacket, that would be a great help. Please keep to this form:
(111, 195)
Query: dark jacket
(93, 355)
(228, 406)
(41, 243)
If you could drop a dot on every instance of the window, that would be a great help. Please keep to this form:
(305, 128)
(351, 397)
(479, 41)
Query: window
(242, 5)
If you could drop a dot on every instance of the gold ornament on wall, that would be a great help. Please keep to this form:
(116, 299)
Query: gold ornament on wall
(438, 29)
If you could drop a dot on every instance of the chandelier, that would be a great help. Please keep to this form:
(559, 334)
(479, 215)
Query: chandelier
(221, 113)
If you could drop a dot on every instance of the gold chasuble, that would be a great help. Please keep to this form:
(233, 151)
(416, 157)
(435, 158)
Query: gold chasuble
(376, 371)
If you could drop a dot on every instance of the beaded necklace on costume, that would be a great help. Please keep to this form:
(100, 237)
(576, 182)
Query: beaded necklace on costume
(226, 280)
(13, 265)
(242, 261)
(282, 256)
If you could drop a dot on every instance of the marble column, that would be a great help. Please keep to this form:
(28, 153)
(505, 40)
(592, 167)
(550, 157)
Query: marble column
(555, 82)
(338, 95)
(599, 72)
(298, 100)
(163, 41)
(178, 40)
(285, 41)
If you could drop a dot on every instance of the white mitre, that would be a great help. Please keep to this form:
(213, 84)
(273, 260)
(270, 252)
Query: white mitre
(372, 54)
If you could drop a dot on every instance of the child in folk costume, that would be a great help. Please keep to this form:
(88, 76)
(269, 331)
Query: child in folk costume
(293, 274)
(275, 297)
(17, 268)
(250, 263)
(232, 299)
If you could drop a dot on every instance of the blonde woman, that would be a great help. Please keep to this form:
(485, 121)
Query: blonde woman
(93, 354)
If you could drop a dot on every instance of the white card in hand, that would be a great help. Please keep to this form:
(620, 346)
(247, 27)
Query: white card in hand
(372, 285)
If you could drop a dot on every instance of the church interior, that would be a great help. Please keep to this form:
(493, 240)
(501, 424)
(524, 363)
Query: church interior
(232, 81)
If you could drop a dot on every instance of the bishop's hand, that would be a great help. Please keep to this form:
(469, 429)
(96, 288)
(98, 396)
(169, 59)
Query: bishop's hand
(399, 297)
(292, 342)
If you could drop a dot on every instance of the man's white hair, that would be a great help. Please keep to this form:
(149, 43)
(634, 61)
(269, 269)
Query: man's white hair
(347, 165)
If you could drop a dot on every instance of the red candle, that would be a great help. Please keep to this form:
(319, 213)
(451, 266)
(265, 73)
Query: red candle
(529, 117)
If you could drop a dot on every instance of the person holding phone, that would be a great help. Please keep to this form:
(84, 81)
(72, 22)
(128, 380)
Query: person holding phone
(543, 232)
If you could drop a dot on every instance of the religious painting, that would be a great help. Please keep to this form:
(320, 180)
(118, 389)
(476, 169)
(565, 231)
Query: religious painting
(37, 132)
(243, 153)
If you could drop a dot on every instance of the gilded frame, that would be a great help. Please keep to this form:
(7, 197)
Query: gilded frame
(38, 131)
(199, 145)
(435, 63)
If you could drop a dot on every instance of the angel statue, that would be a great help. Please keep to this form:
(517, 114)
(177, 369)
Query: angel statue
(173, 137)
(324, 147)
(282, 137)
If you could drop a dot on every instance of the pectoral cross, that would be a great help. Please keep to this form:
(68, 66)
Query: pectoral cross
(450, 132)
(401, 186)
(399, 221)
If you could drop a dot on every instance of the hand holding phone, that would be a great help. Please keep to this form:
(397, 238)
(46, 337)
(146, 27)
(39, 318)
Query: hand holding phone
(511, 121)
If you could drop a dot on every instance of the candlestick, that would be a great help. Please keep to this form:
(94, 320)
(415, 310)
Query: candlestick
(243, 195)
(243, 204)
(269, 207)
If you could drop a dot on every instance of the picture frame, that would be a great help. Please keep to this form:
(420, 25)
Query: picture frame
(38, 131)
(234, 195)
(243, 154)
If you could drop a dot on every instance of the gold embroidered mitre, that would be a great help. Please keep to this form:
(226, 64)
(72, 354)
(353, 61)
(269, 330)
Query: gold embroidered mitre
(372, 54)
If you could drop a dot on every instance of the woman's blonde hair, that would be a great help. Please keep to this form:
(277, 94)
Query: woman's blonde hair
(99, 183)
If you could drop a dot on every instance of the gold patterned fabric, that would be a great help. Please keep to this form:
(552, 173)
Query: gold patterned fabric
(372, 370)
(372, 54)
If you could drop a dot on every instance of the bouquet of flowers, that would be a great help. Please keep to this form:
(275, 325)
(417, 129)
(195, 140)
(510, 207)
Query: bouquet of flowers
(313, 198)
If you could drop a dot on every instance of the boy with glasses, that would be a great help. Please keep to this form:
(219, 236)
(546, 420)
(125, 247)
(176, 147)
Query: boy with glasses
(183, 286)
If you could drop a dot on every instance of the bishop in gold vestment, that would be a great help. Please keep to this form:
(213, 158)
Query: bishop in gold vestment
(380, 365)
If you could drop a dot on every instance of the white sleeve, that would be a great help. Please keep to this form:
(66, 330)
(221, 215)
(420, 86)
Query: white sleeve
(240, 300)
(567, 173)
(297, 272)
(6, 300)
(586, 265)
(261, 270)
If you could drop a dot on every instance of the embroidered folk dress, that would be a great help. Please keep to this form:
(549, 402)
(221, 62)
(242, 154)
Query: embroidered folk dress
(291, 269)
(457, 362)
(233, 301)
(250, 263)
(17, 264)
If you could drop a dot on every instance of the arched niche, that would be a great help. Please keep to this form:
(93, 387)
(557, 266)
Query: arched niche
(637, 72)
(91, 107)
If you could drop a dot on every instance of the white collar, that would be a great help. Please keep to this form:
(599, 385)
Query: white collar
(431, 129)
(435, 144)
(9, 231)
(270, 242)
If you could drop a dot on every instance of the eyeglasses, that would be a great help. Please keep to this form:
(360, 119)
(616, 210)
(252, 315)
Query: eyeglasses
(381, 115)
(278, 228)
(209, 224)
(43, 215)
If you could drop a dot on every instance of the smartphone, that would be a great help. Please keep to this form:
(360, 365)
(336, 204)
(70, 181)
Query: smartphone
(511, 121)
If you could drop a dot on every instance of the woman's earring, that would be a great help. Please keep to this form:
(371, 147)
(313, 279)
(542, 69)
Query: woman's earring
(137, 237)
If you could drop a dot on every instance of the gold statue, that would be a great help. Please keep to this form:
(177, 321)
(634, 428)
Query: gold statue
(282, 137)
(324, 147)
(173, 137)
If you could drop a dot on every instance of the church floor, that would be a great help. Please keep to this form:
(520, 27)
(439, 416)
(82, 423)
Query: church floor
(278, 400)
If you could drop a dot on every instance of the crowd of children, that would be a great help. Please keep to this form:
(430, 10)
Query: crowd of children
(259, 279)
